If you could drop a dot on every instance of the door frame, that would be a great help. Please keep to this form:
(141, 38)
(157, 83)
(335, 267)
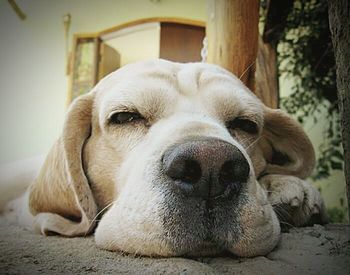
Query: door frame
(97, 36)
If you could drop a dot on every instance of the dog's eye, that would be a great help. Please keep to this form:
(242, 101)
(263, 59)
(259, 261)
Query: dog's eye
(243, 124)
(124, 117)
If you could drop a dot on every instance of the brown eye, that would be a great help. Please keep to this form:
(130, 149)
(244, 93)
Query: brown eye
(243, 124)
(124, 117)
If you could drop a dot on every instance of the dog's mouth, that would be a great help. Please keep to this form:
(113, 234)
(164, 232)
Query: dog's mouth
(179, 225)
(196, 226)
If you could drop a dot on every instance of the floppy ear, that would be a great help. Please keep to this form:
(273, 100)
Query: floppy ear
(286, 147)
(60, 198)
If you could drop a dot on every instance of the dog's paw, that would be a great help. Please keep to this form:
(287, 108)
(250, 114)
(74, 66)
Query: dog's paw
(295, 201)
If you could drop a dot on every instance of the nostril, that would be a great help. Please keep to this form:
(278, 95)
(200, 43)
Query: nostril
(192, 171)
(231, 177)
(205, 168)
(233, 174)
(227, 173)
(185, 170)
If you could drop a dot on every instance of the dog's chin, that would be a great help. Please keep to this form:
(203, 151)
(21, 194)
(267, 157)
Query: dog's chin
(188, 229)
(121, 238)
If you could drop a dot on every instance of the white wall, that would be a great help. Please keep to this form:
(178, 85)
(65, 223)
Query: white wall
(33, 84)
(139, 45)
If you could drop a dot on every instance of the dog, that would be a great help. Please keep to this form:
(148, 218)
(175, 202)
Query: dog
(174, 160)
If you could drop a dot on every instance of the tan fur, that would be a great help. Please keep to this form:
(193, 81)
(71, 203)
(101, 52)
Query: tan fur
(287, 136)
(51, 191)
(61, 187)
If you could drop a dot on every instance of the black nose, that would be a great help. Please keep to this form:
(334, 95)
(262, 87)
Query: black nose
(206, 167)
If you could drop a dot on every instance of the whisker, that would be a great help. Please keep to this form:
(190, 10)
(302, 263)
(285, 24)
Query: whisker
(103, 209)
(289, 224)
(283, 213)
(253, 143)
(246, 70)
(243, 142)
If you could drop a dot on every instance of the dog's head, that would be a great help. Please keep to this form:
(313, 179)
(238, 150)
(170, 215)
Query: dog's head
(174, 152)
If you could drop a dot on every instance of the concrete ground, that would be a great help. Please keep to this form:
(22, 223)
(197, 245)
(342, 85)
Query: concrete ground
(310, 250)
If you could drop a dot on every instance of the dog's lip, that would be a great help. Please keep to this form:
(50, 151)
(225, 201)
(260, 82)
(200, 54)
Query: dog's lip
(186, 190)
(232, 187)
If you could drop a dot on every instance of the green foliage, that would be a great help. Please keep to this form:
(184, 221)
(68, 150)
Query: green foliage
(305, 55)
(336, 215)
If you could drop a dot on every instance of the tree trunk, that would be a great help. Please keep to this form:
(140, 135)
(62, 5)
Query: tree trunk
(266, 76)
(232, 31)
(339, 14)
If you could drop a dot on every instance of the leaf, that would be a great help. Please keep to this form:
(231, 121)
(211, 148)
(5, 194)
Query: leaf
(338, 155)
(336, 165)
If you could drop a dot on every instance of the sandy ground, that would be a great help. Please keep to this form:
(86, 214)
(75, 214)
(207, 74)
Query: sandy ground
(311, 250)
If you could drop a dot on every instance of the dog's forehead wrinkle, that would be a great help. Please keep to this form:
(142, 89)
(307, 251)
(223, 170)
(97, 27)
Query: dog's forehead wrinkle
(151, 98)
(209, 78)
(167, 76)
(192, 76)
(188, 79)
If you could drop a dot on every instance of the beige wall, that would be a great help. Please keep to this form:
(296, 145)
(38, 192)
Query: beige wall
(137, 45)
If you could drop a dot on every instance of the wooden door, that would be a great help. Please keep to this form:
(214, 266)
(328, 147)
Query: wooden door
(181, 42)
(109, 60)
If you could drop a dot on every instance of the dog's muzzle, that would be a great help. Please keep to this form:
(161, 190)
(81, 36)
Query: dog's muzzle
(207, 168)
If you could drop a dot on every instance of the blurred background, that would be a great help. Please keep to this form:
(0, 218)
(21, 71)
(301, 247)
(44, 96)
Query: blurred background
(53, 51)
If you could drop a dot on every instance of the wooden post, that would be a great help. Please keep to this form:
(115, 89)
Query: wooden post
(339, 12)
(266, 76)
(232, 32)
